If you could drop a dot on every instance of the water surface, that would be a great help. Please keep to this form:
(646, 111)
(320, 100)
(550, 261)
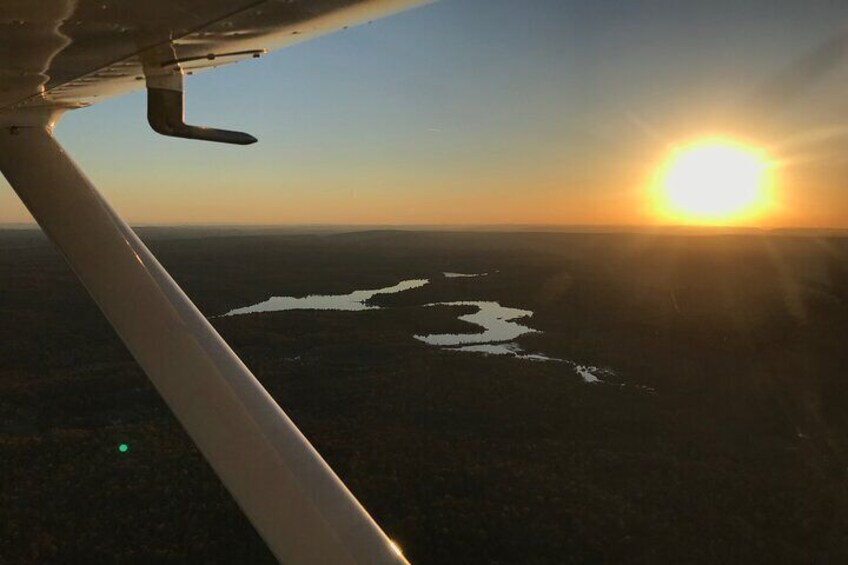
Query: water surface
(498, 326)
(463, 275)
(496, 321)
(352, 302)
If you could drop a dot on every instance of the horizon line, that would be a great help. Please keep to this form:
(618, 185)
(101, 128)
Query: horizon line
(511, 227)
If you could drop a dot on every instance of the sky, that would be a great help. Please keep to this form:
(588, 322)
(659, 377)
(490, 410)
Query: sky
(490, 112)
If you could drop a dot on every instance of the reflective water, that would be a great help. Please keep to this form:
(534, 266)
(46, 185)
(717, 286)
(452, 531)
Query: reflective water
(463, 275)
(496, 321)
(355, 301)
(589, 374)
(512, 349)
(498, 325)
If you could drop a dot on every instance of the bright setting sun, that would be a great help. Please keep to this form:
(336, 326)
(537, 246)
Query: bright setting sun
(713, 182)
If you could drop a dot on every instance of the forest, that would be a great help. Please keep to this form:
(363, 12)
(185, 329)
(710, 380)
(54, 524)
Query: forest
(720, 438)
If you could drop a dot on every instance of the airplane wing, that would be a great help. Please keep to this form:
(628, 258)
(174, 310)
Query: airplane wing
(57, 55)
(72, 53)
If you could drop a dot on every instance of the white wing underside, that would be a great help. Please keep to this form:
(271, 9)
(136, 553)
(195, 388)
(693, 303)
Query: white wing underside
(72, 53)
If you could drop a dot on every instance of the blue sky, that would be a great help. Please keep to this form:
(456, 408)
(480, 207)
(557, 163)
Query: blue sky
(473, 111)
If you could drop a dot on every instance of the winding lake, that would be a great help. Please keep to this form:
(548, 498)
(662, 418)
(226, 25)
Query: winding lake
(352, 302)
(498, 325)
(496, 321)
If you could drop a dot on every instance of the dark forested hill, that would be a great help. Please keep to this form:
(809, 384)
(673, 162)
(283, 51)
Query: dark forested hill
(721, 437)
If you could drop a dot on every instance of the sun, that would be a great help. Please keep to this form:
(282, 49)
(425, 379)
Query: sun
(714, 181)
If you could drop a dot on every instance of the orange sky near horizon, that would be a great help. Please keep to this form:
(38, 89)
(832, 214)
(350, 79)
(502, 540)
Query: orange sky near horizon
(607, 198)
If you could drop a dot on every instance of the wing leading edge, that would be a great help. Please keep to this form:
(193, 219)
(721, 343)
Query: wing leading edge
(66, 54)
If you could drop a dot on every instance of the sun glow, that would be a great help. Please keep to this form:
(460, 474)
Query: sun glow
(714, 181)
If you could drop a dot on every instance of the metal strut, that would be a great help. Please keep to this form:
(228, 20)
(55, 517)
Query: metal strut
(166, 113)
(297, 504)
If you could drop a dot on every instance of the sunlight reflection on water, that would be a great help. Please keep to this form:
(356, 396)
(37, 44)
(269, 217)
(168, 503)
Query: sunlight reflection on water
(355, 301)
(498, 322)
(464, 275)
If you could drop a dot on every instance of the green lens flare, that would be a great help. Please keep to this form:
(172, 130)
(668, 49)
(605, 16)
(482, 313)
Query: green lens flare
(123, 448)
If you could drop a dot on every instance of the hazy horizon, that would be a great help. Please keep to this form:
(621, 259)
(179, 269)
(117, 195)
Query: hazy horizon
(670, 229)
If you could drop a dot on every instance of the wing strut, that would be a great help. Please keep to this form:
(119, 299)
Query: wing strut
(166, 113)
(298, 505)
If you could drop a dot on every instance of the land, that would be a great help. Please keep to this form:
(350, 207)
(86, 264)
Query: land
(721, 438)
